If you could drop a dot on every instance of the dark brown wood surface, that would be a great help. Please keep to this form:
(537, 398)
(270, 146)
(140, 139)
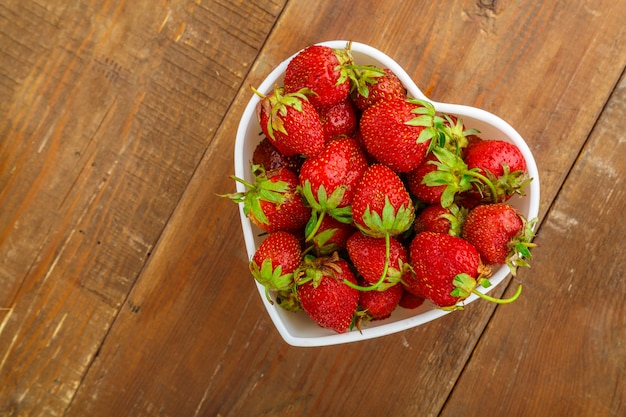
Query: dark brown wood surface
(124, 287)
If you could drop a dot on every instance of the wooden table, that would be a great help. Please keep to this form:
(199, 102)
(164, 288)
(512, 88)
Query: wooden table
(124, 284)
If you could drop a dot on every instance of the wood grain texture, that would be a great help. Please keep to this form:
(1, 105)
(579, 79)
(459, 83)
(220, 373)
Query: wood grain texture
(227, 358)
(107, 110)
(568, 334)
(126, 276)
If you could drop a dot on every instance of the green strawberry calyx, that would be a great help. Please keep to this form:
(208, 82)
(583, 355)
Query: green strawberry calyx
(521, 245)
(314, 269)
(263, 189)
(276, 104)
(443, 131)
(509, 183)
(360, 76)
(465, 285)
(455, 135)
(456, 217)
(452, 172)
(321, 204)
(322, 241)
(433, 124)
(271, 278)
(390, 222)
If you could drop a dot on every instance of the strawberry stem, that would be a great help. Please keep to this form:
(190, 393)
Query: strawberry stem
(257, 92)
(315, 229)
(500, 300)
(487, 181)
(241, 180)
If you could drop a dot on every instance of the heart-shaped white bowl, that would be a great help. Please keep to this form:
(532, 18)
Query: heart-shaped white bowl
(296, 328)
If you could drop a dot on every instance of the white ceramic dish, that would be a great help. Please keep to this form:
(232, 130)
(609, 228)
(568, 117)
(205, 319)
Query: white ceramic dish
(296, 328)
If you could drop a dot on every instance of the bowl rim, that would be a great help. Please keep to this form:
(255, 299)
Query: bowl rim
(421, 316)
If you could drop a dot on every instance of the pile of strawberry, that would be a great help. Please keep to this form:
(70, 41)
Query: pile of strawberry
(372, 200)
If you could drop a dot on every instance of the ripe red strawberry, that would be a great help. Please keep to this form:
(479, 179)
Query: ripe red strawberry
(273, 202)
(447, 270)
(275, 261)
(332, 236)
(500, 233)
(501, 162)
(266, 155)
(468, 200)
(437, 259)
(383, 87)
(438, 219)
(323, 294)
(338, 120)
(393, 132)
(320, 69)
(381, 205)
(429, 194)
(368, 257)
(291, 123)
(328, 181)
(493, 155)
(410, 301)
(378, 305)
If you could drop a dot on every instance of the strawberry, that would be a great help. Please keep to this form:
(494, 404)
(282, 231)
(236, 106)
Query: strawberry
(383, 87)
(319, 69)
(437, 259)
(273, 202)
(381, 204)
(410, 301)
(378, 305)
(323, 294)
(438, 219)
(494, 155)
(503, 163)
(429, 194)
(468, 200)
(368, 257)
(266, 155)
(338, 120)
(447, 270)
(500, 233)
(328, 181)
(397, 132)
(275, 261)
(382, 207)
(290, 122)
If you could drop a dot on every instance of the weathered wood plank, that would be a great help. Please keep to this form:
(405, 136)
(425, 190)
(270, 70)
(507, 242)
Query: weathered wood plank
(195, 339)
(106, 109)
(568, 334)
